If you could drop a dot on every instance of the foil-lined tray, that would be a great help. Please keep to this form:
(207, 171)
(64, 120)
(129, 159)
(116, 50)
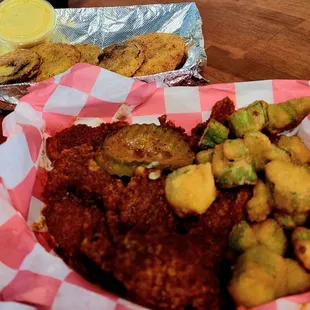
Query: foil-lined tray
(108, 25)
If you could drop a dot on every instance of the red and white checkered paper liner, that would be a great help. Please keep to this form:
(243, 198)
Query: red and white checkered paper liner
(30, 272)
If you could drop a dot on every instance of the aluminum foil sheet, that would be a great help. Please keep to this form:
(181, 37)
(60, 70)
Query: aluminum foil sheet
(108, 25)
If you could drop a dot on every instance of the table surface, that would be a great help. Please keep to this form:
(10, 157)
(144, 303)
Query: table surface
(247, 39)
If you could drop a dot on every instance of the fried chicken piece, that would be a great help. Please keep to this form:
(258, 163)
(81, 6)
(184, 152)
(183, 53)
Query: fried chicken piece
(168, 270)
(222, 110)
(141, 145)
(69, 221)
(78, 135)
(76, 170)
(141, 196)
(69, 138)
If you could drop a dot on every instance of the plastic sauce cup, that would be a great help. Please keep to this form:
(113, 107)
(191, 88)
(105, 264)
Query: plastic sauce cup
(26, 23)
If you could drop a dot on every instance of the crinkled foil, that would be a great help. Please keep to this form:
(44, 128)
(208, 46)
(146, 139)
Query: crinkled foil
(108, 25)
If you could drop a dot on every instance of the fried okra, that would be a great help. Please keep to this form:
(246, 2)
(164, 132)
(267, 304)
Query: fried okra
(275, 153)
(270, 234)
(258, 207)
(258, 144)
(259, 276)
(289, 185)
(287, 115)
(235, 150)
(301, 243)
(267, 233)
(191, 190)
(204, 156)
(215, 133)
(242, 237)
(297, 150)
(298, 279)
(252, 118)
(230, 174)
(274, 118)
(291, 221)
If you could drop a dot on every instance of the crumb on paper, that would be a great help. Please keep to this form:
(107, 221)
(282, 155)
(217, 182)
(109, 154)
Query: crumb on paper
(123, 112)
(44, 161)
(41, 224)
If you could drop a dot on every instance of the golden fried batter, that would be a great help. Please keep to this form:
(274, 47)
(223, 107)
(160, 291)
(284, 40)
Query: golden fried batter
(56, 58)
(89, 53)
(123, 58)
(141, 145)
(18, 66)
(163, 52)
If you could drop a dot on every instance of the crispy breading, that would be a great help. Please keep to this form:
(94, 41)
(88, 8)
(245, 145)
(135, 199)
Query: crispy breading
(56, 58)
(141, 145)
(163, 52)
(76, 169)
(222, 110)
(78, 135)
(169, 270)
(138, 200)
(69, 138)
(71, 222)
(89, 53)
(18, 66)
(165, 271)
(122, 58)
(68, 221)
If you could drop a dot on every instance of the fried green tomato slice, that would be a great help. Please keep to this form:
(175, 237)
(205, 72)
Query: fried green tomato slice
(18, 66)
(142, 145)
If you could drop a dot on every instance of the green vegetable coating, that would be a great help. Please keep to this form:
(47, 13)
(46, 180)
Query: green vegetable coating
(287, 115)
(294, 146)
(237, 174)
(291, 221)
(289, 185)
(242, 237)
(204, 156)
(252, 118)
(235, 149)
(215, 133)
(259, 276)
